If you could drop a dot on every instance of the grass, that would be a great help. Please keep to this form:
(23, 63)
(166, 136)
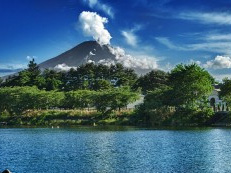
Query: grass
(67, 118)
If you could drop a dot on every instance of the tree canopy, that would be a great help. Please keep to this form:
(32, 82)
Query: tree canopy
(189, 84)
(151, 81)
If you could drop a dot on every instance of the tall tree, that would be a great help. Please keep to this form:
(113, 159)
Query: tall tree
(189, 83)
(53, 80)
(28, 77)
(225, 92)
(151, 81)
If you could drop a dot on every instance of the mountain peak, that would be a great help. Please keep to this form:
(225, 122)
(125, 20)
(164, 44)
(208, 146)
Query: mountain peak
(84, 52)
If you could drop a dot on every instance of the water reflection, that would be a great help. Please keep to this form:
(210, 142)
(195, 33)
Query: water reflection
(100, 150)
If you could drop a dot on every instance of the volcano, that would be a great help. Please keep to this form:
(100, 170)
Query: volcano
(89, 51)
(92, 51)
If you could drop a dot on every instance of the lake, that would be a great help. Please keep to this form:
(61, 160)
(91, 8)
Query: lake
(93, 149)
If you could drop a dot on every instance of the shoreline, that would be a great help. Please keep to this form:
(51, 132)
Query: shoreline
(109, 126)
(92, 118)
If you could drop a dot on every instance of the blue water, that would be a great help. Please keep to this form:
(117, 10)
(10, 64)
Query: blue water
(36, 150)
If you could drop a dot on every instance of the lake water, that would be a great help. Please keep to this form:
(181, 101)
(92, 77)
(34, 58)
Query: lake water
(84, 149)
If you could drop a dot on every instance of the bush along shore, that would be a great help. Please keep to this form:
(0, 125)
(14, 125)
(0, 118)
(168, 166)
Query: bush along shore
(98, 95)
(56, 118)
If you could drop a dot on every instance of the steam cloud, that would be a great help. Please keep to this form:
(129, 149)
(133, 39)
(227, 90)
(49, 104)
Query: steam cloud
(144, 63)
(92, 24)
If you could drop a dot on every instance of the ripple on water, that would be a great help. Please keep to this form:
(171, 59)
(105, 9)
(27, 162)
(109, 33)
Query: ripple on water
(135, 150)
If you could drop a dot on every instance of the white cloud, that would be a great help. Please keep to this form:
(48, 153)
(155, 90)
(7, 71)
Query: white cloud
(100, 6)
(223, 47)
(29, 58)
(207, 18)
(219, 62)
(196, 62)
(130, 38)
(218, 37)
(13, 66)
(217, 47)
(220, 77)
(143, 62)
(91, 3)
(8, 69)
(91, 53)
(92, 24)
(165, 41)
(63, 67)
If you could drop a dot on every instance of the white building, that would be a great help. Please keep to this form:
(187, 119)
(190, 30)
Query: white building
(215, 101)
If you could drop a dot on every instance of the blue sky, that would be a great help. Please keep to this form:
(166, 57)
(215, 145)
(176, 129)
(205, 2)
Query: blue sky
(168, 31)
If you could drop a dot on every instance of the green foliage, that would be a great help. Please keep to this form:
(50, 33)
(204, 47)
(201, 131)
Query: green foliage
(182, 100)
(158, 98)
(16, 100)
(53, 80)
(156, 109)
(28, 77)
(189, 84)
(98, 77)
(152, 81)
(122, 76)
(19, 99)
(101, 84)
(225, 92)
(178, 97)
(86, 77)
(79, 99)
(192, 116)
(117, 98)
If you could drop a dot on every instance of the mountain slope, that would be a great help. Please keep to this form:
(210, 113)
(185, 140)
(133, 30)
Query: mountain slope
(82, 53)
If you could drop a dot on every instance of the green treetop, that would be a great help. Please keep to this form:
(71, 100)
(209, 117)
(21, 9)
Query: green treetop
(189, 83)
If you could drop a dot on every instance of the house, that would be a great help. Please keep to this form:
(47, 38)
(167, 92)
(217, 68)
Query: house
(215, 101)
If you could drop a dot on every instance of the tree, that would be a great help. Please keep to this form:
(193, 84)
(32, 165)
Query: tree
(53, 80)
(122, 76)
(114, 99)
(90, 76)
(28, 77)
(190, 84)
(33, 73)
(79, 99)
(16, 100)
(225, 92)
(101, 84)
(151, 81)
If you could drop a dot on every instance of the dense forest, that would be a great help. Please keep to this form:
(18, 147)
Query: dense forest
(179, 97)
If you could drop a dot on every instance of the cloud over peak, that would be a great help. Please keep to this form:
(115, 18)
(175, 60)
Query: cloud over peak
(92, 24)
(138, 62)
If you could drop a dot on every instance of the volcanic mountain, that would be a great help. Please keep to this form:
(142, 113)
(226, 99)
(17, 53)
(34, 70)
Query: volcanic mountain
(89, 51)
(92, 51)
